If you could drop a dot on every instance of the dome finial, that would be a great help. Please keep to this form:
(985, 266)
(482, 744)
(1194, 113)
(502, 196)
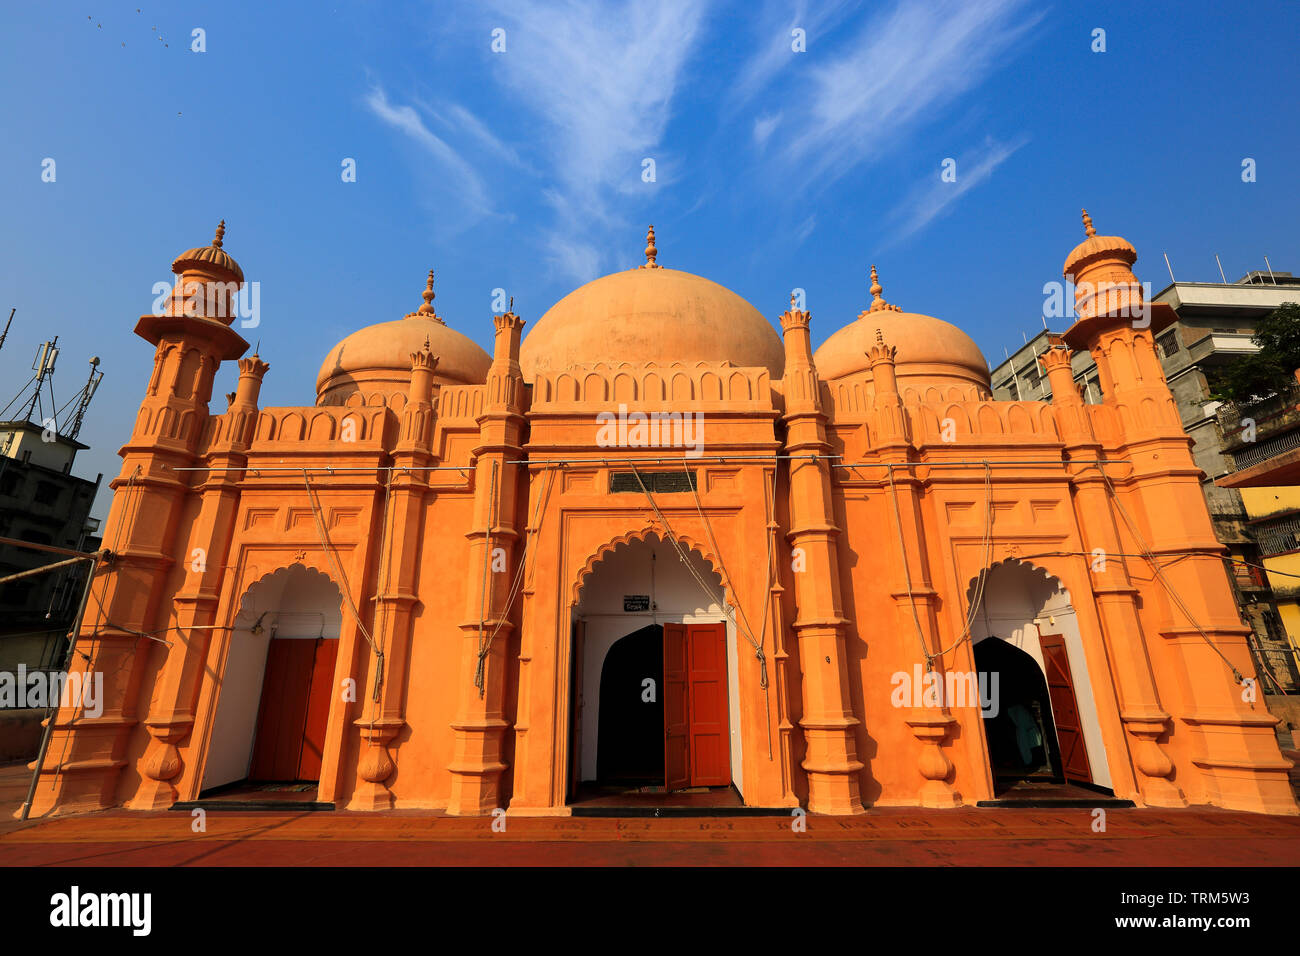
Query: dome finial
(427, 308)
(221, 233)
(877, 301)
(1087, 225)
(650, 251)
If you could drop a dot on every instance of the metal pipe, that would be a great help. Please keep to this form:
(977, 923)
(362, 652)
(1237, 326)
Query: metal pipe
(43, 568)
(982, 461)
(521, 461)
(19, 543)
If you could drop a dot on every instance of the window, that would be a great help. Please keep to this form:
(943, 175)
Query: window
(47, 493)
(665, 482)
(10, 483)
(1168, 343)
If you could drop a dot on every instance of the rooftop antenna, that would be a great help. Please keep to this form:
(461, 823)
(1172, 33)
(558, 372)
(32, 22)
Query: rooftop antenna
(1170, 268)
(1270, 270)
(87, 393)
(5, 334)
(44, 365)
(1044, 323)
(1221, 275)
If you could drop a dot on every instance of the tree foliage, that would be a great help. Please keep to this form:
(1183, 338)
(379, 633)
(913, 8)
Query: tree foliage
(1271, 370)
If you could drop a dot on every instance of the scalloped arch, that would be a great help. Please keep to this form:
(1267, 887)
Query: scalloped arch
(247, 603)
(597, 557)
(1032, 573)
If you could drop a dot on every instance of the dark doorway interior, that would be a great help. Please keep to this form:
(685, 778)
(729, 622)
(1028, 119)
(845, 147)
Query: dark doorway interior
(1021, 736)
(630, 735)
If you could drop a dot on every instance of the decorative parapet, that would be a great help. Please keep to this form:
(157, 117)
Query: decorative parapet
(959, 422)
(718, 384)
(343, 424)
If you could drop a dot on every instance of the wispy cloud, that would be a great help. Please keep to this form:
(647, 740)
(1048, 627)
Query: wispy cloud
(763, 127)
(892, 74)
(933, 197)
(406, 120)
(774, 36)
(601, 77)
(457, 119)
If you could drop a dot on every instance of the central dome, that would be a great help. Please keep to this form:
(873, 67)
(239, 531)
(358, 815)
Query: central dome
(651, 315)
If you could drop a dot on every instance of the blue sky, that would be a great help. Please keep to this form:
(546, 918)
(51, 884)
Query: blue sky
(522, 169)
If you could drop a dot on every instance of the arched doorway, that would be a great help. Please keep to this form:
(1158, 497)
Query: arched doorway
(630, 735)
(275, 691)
(1018, 727)
(655, 706)
(1027, 644)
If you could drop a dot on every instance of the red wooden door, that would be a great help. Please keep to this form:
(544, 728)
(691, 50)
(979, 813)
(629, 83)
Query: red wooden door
(294, 710)
(1065, 708)
(319, 698)
(710, 750)
(677, 763)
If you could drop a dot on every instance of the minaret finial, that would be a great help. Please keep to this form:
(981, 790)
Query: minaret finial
(1087, 225)
(221, 233)
(650, 251)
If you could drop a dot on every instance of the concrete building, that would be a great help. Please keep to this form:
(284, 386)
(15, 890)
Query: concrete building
(41, 501)
(1215, 324)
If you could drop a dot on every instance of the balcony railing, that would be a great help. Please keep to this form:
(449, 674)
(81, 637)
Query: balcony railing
(1279, 535)
(1269, 416)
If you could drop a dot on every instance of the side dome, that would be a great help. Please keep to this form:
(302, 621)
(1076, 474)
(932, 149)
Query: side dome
(376, 360)
(651, 314)
(930, 351)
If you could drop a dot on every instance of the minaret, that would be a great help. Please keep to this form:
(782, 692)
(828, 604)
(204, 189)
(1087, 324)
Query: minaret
(828, 722)
(398, 577)
(480, 723)
(915, 598)
(1201, 716)
(191, 338)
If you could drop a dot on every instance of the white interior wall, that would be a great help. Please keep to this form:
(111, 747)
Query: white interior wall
(299, 603)
(1022, 602)
(676, 597)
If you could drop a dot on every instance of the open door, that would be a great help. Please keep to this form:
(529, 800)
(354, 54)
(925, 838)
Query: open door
(294, 712)
(1065, 709)
(677, 765)
(697, 731)
(710, 744)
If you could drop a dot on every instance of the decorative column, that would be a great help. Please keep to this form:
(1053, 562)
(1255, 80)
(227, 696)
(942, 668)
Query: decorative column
(828, 722)
(397, 580)
(915, 599)
(1116, 597)
(171, 713)
(1231, 758)
(480, 720)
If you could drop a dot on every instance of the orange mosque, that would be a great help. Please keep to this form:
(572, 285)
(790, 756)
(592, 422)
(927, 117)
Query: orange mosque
(653, 544)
